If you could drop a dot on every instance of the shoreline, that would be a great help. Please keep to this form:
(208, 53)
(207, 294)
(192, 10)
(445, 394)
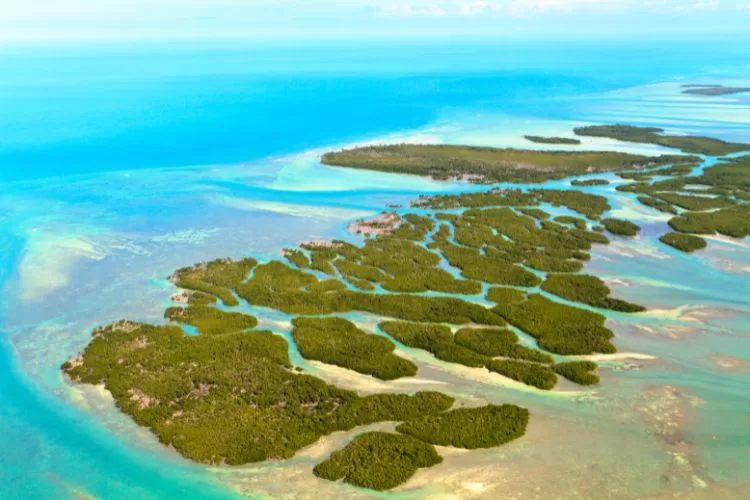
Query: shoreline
(577, 394)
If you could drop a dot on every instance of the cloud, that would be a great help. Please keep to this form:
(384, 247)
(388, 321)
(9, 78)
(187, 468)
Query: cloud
(553, 6)
(404, 10)
(478, 8)
(707, 5)
(682, 7)
(123, 19)
(702, 6)
(473, 8)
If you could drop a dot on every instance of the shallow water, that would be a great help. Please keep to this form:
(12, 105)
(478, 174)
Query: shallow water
(91, 230)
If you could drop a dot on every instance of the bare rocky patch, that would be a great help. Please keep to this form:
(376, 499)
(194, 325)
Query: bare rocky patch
(384, 223)
(142, 399)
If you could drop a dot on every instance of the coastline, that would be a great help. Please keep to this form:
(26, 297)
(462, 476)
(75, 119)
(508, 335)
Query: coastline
(339, 228)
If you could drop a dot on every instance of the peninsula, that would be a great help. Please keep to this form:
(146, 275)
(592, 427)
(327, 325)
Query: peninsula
(487, 165)
(652, 135)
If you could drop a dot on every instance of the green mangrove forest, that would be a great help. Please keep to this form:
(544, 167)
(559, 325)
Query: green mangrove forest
(470, 428)
(378, 460)
(538, 139)
(620, 227)
(488, 280)
(652, 135)
(382, 460)
(486, 165)
(687, 243)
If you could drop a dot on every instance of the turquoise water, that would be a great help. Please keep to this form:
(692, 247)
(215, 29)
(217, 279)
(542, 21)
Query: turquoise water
(82, 110)
(120, 164)
(54, 451)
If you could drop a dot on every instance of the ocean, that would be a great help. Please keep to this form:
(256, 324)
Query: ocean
(120, 163)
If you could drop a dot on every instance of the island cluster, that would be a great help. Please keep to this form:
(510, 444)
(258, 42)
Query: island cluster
(455, 276)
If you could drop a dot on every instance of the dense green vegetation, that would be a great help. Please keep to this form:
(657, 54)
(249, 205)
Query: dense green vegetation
(588, 290)
(592, 206)
(694, 202)
(488, 341)
(414, 227)
(579, 372)
(733, 221)
(378, 460)
(228, 398)
(729, 178)
(494, 267)
(550, 264)
(559, 328)
(575, 221)
(635, 187)
(621, 227)
(494, 342)
(552, 140)
(216, 278)
(659, 205)
(503, 295)
(539, 376)
(494, 241)
(297, 258)
(535, 213)
(211, 321)
(395, 262)
(436, 339)
(490, 270)
(650, 135)
(200, 299)
(483, 164)
(339, 342)
(471, 428)
(637, 176)
(594, 236)
(486, 242)
(684, 242)
(721, 207)
(677, 170)
(293, 291)
(589, 182)
(440, 341)
(492, 198)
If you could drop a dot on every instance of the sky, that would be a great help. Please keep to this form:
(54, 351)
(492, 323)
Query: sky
(42, 21)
